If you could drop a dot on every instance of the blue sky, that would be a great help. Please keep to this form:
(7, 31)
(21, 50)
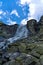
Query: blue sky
(12, 11)
(19, 11)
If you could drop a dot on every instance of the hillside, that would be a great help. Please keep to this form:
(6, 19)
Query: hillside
(27, 50)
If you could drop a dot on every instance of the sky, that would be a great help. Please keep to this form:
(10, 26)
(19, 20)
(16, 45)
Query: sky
(20, 11)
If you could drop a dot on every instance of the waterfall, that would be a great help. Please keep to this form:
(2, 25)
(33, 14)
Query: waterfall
(21, 32)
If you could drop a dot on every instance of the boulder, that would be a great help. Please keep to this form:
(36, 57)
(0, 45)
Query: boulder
(41, 59)
(39, 50)
(33, 53)
(22, 47)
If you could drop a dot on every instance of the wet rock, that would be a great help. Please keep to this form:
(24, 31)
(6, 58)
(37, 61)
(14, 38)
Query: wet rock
(30, 47)
(33, 63)
(1, 52)
(14, 55)
(22, 47)
(39, 50)
(12, 49)
(1, 38)
(24, 59)
(27, 60)
(0, 62)
(13, 62)
(41, 59)
(33, 53)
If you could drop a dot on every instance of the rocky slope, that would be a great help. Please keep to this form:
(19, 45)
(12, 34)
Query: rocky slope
(7, 31)
(26, 51)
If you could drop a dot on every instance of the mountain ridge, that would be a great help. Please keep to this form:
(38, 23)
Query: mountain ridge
(25, 47)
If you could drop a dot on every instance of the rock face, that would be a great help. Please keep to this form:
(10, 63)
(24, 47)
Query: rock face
(27, 51)
(7, 30)
(41, 24)
(30, 25)
(35, 26)
(41, 20)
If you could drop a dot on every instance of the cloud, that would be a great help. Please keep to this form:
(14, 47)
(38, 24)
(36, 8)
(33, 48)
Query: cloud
(23, 2)
(15, 12)
(24, 22)
(1, 12)
(10, 22)
(6, 15)
(35, 8)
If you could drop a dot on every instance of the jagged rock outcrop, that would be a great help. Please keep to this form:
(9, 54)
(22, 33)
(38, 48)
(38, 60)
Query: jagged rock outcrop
(33, 26)
(36, 28)
(41, 24)
(7, 31)
(41, 20)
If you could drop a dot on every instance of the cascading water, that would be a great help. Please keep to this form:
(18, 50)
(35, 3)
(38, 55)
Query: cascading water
(21, 32)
